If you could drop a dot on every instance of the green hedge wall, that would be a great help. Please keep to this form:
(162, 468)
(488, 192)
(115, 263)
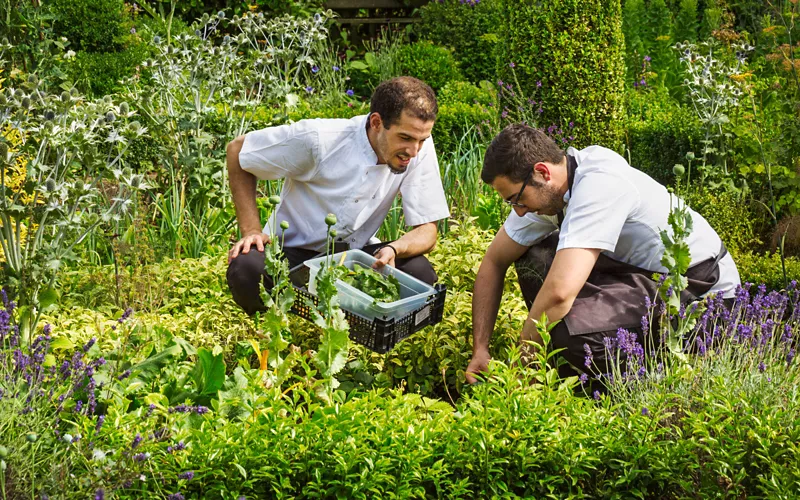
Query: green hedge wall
(659, 133)
(575, 48)
(471, 30)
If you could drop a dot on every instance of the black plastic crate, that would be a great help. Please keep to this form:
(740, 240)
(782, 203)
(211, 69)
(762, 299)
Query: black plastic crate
(378, 335)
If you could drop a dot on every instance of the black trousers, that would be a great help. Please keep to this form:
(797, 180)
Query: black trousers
(246, 272)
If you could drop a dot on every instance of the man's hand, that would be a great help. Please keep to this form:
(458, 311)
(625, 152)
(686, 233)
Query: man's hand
(385, 256)
(478, 364)
(243, 245)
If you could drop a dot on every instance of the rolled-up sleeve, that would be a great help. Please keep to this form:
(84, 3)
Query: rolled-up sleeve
(422, 192)
(284, 151)
(529, 229)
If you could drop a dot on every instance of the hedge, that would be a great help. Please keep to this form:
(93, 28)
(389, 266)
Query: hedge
(575, 48)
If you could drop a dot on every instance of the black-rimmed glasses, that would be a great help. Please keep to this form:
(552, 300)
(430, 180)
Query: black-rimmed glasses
(516, 202)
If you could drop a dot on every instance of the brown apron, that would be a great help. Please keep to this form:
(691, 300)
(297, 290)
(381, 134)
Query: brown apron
(613, 296)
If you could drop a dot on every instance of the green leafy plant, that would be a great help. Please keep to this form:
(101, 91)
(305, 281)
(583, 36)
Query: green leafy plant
(382, 288)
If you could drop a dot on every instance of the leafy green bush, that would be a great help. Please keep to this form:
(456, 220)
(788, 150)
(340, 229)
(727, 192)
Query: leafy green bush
(100, 73)
(430, 63)
(471, 30)
(766, 269)
(468, 93)
(570, 54)
(90, 25)
(455, 120)
(730, 215)
(659, 133)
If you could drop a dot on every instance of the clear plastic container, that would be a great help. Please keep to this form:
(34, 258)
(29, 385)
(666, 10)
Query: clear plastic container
(413, 292)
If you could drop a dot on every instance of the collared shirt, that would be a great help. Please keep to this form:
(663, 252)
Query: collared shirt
(329, 166)
(621, 211)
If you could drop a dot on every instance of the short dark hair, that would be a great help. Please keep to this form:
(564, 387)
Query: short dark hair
(516, 150)
(403, 93)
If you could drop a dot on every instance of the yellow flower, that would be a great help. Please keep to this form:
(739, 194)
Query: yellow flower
(741, 77)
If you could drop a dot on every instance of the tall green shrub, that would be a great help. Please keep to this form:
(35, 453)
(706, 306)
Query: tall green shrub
(431, 63)
(472, 30)
(575, 49)
(90, 25)
(686, 21)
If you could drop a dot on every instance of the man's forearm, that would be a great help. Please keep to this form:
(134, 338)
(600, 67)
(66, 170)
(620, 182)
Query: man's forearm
(418, 241)
(487, 293)
(243, 191)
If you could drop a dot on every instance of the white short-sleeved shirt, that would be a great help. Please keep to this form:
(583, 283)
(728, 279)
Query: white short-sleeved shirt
(621, 211)
(329, 166)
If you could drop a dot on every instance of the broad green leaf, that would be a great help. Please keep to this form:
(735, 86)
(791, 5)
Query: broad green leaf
(209, 372)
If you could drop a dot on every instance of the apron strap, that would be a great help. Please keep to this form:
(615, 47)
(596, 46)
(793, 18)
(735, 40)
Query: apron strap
(572, 166)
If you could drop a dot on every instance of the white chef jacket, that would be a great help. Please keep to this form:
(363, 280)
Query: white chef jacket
(621, 211)
(329, 166)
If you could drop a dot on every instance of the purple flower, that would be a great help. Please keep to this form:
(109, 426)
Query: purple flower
(584, 378)
(790, 356)
(175, 496)
(762, 367)
(100, 494)
(141, 457)
(596, 395)
(150, 410)
(309, 89)
(587, 360)
(136, 441)
(645, 412)
(188, 475)
(100, 420)
(349, 92)
(89, 344)
(314, 69)
(511, 65)
(336, 68)
(124, 375)
(201, 410)
(647, 58)
(539, 84)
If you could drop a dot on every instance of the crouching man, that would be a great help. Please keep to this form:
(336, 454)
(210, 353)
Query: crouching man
(351, 168)
(584, 236)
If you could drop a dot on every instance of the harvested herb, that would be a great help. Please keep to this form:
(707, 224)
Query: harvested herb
(378, 286)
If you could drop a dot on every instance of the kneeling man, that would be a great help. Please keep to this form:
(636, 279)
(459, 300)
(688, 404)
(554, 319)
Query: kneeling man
(584, 236)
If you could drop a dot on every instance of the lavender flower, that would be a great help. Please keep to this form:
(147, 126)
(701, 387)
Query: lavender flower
(645, 412)
(175, 496)
(188, 475)
(136, 441)
(100, 494)
(141, 457)
(349, 92)
(587, 360)
(100, 420)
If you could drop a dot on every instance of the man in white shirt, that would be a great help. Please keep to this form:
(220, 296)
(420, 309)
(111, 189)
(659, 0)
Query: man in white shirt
(584, 236)
(353, 169)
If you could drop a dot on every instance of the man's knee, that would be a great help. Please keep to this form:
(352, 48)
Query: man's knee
(245, 274)
(420, 268)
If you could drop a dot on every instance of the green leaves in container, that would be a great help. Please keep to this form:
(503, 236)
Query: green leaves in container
(378, 286)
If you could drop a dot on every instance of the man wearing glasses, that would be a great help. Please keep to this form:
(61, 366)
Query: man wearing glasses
(584, 235)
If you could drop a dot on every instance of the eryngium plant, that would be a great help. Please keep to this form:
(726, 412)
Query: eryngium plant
(714, 83)
(203, 89)
(69, 149)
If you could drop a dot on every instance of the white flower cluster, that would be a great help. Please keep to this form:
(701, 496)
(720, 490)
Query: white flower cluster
(711, 78)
